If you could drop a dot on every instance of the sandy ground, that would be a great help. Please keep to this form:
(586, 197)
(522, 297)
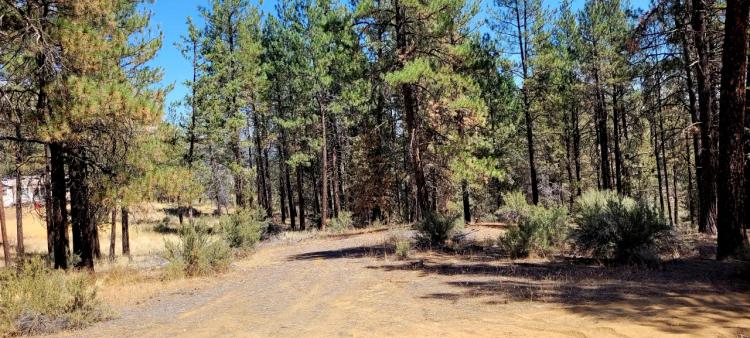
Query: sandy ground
(354, 286)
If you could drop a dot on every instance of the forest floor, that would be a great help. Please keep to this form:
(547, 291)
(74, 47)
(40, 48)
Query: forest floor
(352, 285)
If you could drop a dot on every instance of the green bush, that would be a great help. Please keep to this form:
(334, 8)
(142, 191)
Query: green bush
(619, 228)
(515, 207)
(341, 223)
(435, 228)
(196, 252)
(402, 248)
(244, 228)
(540, 231)
(39, 300)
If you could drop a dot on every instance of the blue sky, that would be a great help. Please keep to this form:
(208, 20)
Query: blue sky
(170, 17)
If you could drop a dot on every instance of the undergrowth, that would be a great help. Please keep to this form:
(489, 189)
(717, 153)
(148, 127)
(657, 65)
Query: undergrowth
(40, 300)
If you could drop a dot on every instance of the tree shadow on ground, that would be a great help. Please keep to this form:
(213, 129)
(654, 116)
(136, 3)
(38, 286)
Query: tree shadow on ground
(177, 211)
(353, 252)
(666, 298)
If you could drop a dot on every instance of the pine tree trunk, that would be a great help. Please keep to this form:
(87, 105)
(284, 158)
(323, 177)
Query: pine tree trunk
(655, 140)
(601, 120)
(705, 111)
(3, 230)
(113, 235)
(674, 192)
(731, 192)
(691, 203)
(282, 185)
(239, 186)
(465, 199)
(335, 179)
(48, 204)
(125, 223)
(19, 193)
(300, 198)
(522, 31)
(59, 203)
(84, 227)
(80, 213)
(665, 165)
(693, 109)
(316, 191)
(324, 170)
(412, 124)
(288, 182)
(259, 170)
(618, 153)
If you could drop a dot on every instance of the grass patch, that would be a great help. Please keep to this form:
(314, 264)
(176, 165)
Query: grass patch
(39, 300)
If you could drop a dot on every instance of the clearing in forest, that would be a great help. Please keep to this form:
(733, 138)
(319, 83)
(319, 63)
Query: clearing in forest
(353, 285)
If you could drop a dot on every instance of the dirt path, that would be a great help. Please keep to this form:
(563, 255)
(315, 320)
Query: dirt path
(350, 287)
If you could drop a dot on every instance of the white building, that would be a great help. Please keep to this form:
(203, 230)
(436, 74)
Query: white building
(32, 189)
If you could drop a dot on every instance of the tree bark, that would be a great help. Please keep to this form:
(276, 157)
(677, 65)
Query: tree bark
(59, 202)
(412, 123)
(674, 192)
(691, 203)
(664, 163)
(282, 185)
(616, 129)
(705, 110)
(19, 194)
(113, 235)
(655, 139)
(48, 204)
(300, 198)
(601, 120)
(125, 223)
(323, 169)
(731, 239)
(80, 212)
(693, 109)
(6, 244)
(522, 32)
(288, 181)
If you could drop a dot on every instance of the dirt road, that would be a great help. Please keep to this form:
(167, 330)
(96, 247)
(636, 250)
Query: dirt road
(352, 287)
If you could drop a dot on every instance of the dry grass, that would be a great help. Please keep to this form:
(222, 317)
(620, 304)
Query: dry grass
(124, 285)
(145, 242)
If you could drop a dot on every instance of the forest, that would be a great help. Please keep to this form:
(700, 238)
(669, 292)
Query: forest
(593, 134)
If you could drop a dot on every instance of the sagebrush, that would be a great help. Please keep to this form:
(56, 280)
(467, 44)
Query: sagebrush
(39, 300)
(514, 207)
(196, 252)
(537, 230)
(436, 228)
(341, 223)
(244, 228)
(619, 228)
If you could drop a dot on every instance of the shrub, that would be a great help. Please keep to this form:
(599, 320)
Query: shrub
(244, 228)
(540, 231)
(435, 228)
(402, 248)
(400, 243)
(39, 300)
(196, 253)
(514, 208)
(341, 223)
(619, 228)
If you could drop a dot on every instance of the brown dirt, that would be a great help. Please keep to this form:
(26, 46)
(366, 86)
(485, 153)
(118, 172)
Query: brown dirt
(354, 286)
